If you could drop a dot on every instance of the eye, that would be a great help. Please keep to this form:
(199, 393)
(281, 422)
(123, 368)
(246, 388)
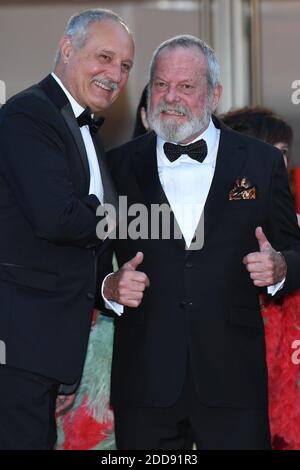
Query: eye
(126, 67)
(161, 85)
(186, 87)
(104, 57)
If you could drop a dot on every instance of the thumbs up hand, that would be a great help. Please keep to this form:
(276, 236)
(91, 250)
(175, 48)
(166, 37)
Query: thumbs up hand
(264, 244)
(133, 263)
(127, 285)
(267, 266)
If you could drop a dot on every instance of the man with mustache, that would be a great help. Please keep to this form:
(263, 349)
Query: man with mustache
(189, 360)
(53, 177)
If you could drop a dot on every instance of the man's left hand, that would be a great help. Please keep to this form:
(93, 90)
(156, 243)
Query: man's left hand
(267, 267)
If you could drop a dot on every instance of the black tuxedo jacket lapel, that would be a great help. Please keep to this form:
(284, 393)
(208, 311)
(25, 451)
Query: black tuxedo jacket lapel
(59, 98)
(70, 119)
(146, 172)
(110, 195)
(231, 159)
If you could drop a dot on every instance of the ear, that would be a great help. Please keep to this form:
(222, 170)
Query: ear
(144, 118)
(66, 48)
(216, 97)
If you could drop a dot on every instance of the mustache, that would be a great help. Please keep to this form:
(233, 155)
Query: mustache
(177, 108)
(113, 86)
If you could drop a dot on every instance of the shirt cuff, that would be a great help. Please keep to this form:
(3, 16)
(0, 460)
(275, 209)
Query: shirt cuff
(276, 287)
(111, 304)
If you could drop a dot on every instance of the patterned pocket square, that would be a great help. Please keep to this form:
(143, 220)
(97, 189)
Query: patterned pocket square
(242, 189)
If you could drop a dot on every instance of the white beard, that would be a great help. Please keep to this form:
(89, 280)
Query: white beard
(172, 131)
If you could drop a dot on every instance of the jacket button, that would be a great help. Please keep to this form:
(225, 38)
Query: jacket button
(90, 295)
(189, 264)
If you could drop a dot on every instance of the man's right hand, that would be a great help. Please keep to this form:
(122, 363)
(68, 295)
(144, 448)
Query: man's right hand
(127, 285)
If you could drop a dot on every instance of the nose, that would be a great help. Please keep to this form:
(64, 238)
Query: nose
(114, 72)
(171, 95)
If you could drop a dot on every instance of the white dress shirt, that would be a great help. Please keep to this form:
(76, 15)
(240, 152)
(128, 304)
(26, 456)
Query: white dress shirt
(186, 182)
(96, 186)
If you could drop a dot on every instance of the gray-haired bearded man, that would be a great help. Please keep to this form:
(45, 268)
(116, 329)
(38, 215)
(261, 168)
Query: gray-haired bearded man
(189, 360)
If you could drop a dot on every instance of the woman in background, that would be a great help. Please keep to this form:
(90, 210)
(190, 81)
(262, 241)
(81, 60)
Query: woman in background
(85, 420)
(282, 318)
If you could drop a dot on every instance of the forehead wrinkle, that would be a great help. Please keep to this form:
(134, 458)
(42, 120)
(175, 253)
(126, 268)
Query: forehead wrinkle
(180, 68)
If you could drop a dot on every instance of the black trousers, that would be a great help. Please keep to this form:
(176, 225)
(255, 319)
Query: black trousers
(188, 421)
(27, 410)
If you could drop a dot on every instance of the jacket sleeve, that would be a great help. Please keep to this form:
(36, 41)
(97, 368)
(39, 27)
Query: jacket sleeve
(34, 163)
(104, 267)
(285, 232)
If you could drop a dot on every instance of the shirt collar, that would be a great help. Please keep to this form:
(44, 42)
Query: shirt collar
(77, 108)
(210, 135)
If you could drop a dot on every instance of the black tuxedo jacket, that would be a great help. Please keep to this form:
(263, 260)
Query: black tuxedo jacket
(48, 244)
(202, 304)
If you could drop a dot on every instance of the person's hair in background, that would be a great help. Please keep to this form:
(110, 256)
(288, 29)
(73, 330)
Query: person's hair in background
(141, 123)
(264, 124)
(261, 123)
(281, 318)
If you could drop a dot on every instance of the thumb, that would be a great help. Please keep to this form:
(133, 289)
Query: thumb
(263, 242)
(133, 263)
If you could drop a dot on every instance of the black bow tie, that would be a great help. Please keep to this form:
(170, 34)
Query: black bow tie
(196, 150)
(85, 119)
